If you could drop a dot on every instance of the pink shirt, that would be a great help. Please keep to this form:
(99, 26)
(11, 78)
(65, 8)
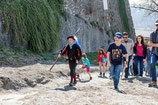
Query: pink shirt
(139, 50)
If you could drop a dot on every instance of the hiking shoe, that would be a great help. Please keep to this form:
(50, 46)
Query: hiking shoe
(152, 84)
(110, 77)
(116, 88)
(141, 75)
(70, 84)
(103, 74)
(90, 78)
(100, 74)
(78, 76)
(136, 75)
(75, 82)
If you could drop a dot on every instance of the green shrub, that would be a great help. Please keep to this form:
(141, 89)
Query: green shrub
(123, 15)
(34, 23)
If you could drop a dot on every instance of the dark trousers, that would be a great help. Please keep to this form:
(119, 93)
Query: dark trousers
(72, 66)
(154, 59)
(140, 60)
(127, 69)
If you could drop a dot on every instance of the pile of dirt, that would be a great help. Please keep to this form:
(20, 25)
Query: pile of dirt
(29, 76)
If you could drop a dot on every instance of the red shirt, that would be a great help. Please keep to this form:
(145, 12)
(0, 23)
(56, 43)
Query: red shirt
(139, 50)
(100, 57)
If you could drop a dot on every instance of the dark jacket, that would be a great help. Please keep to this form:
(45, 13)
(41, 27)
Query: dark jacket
(148, 56)
(144, 50)
(153, 37)
(73, 54)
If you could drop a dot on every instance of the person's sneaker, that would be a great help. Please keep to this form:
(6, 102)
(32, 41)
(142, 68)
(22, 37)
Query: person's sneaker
(141, 75)
(78, 76)
(110, 77)
(152, 84)
(136, 75)
(116, 88)
(103, 74)
(90, 78)
(100, 74)
(75, 82)
(70, 84)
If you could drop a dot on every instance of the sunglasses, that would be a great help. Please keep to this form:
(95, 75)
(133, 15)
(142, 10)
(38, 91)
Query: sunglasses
(125, 37)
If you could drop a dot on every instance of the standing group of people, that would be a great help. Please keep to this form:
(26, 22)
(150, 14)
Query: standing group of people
(119, 55)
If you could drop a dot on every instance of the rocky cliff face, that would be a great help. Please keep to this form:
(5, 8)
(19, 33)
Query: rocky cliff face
(90, 38)
(97, 25)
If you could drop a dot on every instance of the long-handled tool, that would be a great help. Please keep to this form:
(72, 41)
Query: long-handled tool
(58, 57)
(123, 72)
(62, 52)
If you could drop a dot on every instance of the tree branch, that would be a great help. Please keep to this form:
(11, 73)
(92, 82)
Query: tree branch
(148, 9)
(154, 2)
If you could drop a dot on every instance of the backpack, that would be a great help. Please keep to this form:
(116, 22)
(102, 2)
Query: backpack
(76, 42)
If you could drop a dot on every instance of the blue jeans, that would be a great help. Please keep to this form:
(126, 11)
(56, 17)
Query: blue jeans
(127, 69)
(154, 59)
(110, 71)
(115, 70)
(140, 60)
(131, 69)
(148, 70)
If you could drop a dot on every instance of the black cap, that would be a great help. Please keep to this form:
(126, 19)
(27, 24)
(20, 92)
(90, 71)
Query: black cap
(71, 37)
(156, 23)
(125, 33)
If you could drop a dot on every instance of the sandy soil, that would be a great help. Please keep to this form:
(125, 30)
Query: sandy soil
(134, 91)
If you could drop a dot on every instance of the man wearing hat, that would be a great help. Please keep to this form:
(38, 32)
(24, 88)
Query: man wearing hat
(128, 43)
(115, 53)
(153, 42)
(74, 54)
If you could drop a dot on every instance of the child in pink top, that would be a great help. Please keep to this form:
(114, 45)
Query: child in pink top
(102, 59)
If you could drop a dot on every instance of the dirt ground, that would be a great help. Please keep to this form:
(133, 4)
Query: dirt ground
(36, 85)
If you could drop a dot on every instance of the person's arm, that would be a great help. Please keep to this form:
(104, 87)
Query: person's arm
(124, 51)
(132, 45)
(145, 51)
(84, 64)
(63, 53)
(108, 61)
(98, 58)
(126, 62)
(151, 44)
(105, 56)
(134, 50)
(145, 54)
(78, 54)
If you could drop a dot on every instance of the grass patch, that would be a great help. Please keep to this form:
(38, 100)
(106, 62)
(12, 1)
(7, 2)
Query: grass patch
(50, 56)
(93, 57)
(18, 54)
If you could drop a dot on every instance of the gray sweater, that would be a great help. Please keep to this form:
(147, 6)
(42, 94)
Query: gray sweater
(129, 46)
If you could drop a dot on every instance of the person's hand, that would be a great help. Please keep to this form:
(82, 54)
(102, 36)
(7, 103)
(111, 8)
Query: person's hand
(76, 61)
(125, 65)
(132, 60)
(59, 55)
(108, 65)
(144, 61)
